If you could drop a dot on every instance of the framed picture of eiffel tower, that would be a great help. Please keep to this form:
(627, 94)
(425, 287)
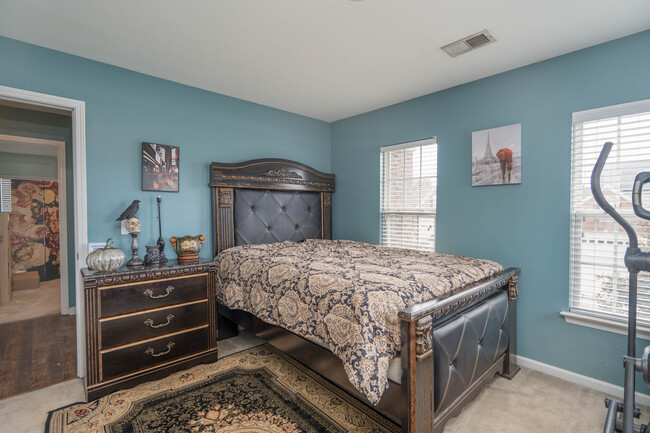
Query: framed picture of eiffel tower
(496, 156)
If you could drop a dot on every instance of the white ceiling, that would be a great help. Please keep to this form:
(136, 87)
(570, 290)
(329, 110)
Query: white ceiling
(327, 59)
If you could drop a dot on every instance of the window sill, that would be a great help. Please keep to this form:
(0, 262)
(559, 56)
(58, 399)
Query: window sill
(603, 324)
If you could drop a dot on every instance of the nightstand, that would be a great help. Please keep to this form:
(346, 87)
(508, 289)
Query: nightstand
(145, 323)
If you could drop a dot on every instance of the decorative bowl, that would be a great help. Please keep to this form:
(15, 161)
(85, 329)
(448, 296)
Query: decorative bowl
(187, 248)
(105, 259)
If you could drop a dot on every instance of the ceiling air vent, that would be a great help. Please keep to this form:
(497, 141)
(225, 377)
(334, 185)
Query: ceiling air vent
(469, 43)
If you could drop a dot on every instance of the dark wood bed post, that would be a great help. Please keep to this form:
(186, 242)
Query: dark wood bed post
(224, 237)
(417, 366)
(326, 216)
(510, 367)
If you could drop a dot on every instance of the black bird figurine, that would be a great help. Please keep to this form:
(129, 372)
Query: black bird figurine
(130, 211)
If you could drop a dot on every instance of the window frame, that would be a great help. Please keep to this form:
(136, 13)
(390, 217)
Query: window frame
(594, 318)
(407, 212)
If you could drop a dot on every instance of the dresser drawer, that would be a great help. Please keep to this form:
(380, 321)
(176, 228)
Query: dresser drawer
(131, 358)
(118, 330)
(151, 294)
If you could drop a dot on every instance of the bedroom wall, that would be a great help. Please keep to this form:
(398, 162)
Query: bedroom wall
(18, 164)
(523, 225)
(124, 108)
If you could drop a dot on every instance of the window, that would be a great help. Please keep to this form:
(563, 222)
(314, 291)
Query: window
(408, 195)
(599, 278)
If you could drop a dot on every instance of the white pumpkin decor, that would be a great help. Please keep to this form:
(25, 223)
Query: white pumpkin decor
(105, 259)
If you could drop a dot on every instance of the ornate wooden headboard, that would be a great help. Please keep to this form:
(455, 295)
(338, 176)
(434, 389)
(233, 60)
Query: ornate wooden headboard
(269, 200)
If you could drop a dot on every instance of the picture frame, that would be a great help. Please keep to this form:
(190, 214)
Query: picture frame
(496, 156)
(160, 167)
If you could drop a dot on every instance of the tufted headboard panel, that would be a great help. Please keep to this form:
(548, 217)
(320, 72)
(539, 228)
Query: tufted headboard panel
(269, 200)
(264, 216)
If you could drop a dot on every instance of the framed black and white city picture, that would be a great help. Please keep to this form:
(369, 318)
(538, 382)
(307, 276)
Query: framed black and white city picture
(496, 156)
(160, 167)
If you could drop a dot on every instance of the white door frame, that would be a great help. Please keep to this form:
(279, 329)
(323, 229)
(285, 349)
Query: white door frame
(37, 146)
(77, 110)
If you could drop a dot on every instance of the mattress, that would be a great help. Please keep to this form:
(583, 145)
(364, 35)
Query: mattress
(342, 295)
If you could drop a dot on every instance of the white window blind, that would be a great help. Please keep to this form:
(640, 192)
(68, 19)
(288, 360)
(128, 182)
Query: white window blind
(599, 278)
(409, 178)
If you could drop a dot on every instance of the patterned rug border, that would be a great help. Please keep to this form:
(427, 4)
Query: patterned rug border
(50, 413)
(348, 398)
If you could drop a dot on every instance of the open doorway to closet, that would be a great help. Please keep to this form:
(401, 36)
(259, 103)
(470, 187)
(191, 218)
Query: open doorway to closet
(37, 328)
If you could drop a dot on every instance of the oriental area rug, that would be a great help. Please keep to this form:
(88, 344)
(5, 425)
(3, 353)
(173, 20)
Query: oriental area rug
(258, 390)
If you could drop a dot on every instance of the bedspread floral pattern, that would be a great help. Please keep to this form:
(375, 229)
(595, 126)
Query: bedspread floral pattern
(343, 295)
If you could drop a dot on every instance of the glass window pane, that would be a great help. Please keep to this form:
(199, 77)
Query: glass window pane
(408, 197)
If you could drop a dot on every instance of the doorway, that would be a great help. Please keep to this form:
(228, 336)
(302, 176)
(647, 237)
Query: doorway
(37, 330)
(77, 110)
(36, 228)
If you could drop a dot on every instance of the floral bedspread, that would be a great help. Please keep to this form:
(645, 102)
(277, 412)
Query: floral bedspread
(343, 295)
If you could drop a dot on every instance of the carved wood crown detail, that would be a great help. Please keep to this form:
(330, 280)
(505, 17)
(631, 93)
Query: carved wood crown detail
(281, 172)
(441, 311)
(108, 280)
(423, 337)
(513, 287)
(271, 180)
(225, 197)
(327, 200)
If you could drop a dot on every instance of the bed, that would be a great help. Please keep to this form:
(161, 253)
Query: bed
(422, 342)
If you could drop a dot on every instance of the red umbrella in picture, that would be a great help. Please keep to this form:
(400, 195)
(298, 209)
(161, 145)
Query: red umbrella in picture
(505, 159)
(505, 154)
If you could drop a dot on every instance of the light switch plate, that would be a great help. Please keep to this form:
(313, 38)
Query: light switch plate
(92, 246)
(123, 227)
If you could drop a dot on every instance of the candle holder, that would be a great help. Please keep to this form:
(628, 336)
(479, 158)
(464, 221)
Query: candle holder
(135, 260)
(133, 227)
(161, 242)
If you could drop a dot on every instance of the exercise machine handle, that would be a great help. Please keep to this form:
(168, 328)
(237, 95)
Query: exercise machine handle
(640, 180)
(600, 198)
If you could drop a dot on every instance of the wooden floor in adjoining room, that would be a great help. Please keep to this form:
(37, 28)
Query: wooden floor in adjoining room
(36, 353)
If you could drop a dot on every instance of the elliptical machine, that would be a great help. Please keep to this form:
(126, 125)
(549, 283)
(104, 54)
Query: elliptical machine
(635, 261)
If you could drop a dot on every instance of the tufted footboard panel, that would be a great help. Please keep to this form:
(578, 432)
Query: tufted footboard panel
(465, 348)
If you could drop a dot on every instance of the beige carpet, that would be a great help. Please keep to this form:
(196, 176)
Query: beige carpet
(28, 304)
(535, 403)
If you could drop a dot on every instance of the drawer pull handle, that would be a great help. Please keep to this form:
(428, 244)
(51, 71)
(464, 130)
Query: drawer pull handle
(150, 294)
(150, 351)
(149, 322)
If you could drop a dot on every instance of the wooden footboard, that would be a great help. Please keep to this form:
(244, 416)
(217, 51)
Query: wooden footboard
(419, 324)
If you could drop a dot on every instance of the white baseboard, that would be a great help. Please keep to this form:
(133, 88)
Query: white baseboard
(589, 382)
(71, 311)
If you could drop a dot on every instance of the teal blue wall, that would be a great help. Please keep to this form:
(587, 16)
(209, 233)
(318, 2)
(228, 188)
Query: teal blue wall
(124, 108)
(26, 166)
(49, 126)
(525, 225)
